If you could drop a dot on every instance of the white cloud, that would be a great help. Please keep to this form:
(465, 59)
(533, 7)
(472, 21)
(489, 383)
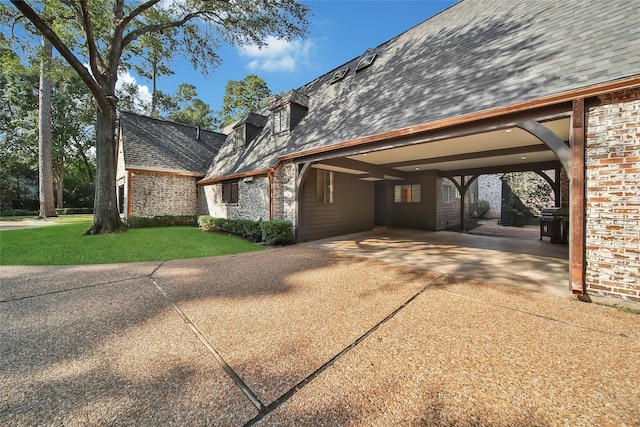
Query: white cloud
(278, 54)
(143, 93)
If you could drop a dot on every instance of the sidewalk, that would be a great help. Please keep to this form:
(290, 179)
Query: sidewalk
(303, 336)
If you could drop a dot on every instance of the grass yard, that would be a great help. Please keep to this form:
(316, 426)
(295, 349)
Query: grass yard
(64, 244)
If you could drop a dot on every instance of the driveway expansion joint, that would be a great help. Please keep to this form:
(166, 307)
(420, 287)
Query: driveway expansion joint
(235, 377)
(287, 395)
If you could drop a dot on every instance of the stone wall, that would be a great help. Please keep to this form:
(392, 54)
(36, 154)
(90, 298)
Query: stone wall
(613, 197)
(253, 200)
(490, 189)
(163, 194)
(284, 192)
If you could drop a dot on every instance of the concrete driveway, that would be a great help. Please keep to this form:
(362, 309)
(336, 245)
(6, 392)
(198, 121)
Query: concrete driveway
(305, 336)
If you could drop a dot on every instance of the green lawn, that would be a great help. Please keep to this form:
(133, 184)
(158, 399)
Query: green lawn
(65, 244)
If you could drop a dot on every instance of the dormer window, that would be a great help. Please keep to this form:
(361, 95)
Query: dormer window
(280, 119)
(366, 61)
(339, 75)
(239, 137)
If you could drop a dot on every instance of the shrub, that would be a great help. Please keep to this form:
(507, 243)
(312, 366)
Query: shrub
(70, 211)
(135, 221)
(18, 212)
(278, 232)
(480, 208)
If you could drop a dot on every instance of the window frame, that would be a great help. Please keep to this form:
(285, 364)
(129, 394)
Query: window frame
(230, 192)
(407, 193)
(446, 194)
(324, 190)
(280, 119)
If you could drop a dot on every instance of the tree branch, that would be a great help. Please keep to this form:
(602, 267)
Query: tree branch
(135, 13)
(133, 35)
(95, 60)
(64, 51)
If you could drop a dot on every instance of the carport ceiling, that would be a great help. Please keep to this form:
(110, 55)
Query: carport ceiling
(504, 147)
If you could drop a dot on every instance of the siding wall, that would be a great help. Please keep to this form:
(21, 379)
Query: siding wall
(448, 214)
(407, 215)
(352, 210)
(613, 197)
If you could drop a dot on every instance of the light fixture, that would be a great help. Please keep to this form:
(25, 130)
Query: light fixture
(417, 169)
(523, 158)
(508, 130)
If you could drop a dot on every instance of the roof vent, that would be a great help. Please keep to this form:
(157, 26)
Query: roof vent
(339, 75)
(366, 61)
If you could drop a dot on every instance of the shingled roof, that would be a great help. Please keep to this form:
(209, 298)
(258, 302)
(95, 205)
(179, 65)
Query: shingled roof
(160, 145)
(474, 56)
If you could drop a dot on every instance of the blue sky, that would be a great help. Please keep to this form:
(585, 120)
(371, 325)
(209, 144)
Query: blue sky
(339, 31)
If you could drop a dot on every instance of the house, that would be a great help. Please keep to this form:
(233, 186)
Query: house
(396, 136)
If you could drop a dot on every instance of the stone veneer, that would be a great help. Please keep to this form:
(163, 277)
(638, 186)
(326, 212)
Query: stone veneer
(162, 194)
(253, 200)
(284, 192)
(613, 197)
(490, 189)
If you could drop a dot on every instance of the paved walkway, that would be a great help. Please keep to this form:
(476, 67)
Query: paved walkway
(305, 336)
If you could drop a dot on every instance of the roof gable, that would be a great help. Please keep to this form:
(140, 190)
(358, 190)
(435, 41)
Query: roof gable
(160, 145)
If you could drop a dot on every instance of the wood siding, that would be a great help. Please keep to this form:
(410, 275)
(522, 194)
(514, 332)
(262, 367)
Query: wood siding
(407, 215)
(351, 211)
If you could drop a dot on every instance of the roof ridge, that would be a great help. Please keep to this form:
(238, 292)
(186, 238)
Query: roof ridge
(160, 119)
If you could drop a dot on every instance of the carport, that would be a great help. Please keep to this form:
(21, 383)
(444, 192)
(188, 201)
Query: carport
(540, 138)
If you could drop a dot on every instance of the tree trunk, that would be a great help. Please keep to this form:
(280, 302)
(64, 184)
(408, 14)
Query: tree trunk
(45, 145)
(106, 218)
(59, 183)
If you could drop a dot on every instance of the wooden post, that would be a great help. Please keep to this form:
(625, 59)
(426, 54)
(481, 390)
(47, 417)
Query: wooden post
(577, 200)
(463, 191)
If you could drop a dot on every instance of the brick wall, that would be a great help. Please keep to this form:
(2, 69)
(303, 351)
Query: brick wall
(253, 200)
(163, 194)
(490, 189)
(613, 197)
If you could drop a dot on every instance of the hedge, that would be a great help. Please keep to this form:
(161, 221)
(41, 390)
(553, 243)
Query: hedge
(276, 232)
(134, 221)
(70, 211)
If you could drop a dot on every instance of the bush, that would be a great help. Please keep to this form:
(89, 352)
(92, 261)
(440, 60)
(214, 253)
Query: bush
(480, 208)
(71, 211)
(278, 232)
(18, 212)
(135, 221)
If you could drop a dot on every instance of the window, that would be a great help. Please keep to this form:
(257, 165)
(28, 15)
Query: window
(230, 192)
(239, 137)
(446, 193)
(280, 120)
(339, 75)
(365, 62)
(324, 188)
(407, 193)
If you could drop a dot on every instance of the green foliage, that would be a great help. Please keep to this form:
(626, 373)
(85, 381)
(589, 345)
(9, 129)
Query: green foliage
(64, 244)
(480, 208)
(531, 191)
(18, 212)
(278, 232)
(242, 97)
(73, 211)
(134, 221)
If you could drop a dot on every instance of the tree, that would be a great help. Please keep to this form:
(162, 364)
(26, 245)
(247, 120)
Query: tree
(45, 143)
(190, 110)
(107, 30)
(242, 97)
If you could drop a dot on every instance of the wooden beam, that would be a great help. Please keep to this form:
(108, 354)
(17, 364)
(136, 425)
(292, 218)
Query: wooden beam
(502, 169)
(364, 167)
(557, 145)
(577, 200)
(470, 156)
